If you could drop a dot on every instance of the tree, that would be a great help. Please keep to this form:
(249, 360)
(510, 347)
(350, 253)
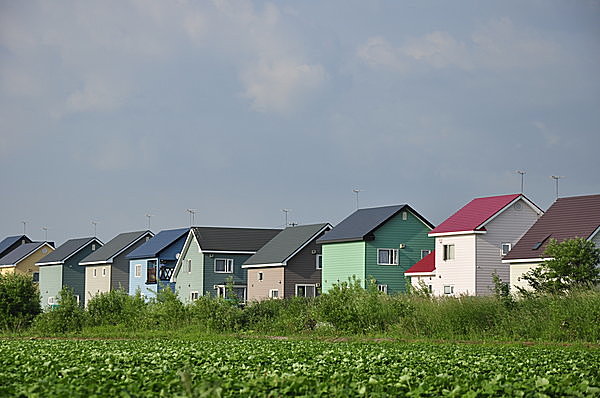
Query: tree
(19, 301)
(573, 264)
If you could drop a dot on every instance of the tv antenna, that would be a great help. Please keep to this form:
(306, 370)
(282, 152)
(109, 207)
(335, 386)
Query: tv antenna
(24, 226)
(357, 191)
(522, 172)
(95, 224)
(148, 215)
(286, 211)
(192, 216)
(556, 178)
(45, 229)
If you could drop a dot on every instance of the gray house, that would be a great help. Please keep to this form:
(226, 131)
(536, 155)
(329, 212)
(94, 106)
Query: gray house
(61, 268)
(288, 265)
(108, 267)
(10, 243)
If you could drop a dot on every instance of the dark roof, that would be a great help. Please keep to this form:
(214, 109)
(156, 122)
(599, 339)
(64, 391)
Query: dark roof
(158, 243)
(233, 239)
(284, 244)
(424, 265)
(576, 216)
(6, 244)
(21, 252)
(66, 250)
(363, 222)
(114, 247)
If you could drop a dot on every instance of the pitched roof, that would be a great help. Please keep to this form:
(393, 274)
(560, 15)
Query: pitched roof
(9, 241)
(21, 252)
(285, 244)
(233, 239)
(363, 222)
(475, 213)
(66, 250)
(114, 247)
(576, 216)
(158, 243)
(424, 265)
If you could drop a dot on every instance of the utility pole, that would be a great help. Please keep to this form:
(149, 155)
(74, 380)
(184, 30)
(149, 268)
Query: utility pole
(357, 191)
(556, 178)
(522, 174)
(286, 211)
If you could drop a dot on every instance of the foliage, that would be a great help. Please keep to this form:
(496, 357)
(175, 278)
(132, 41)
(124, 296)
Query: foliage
(116, 307)
(573, 265)
(253, 367)
(67, 316)
(19, 301)
(214, 314)
(165, 311)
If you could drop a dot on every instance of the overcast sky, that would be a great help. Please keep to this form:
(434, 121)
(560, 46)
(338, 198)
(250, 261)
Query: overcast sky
(110, 110)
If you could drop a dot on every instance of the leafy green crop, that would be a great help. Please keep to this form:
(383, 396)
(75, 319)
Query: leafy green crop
(253, 367)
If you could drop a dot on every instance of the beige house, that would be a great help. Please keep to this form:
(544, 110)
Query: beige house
(22, 259)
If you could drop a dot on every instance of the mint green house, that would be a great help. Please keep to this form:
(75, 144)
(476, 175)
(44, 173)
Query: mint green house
(377, 243)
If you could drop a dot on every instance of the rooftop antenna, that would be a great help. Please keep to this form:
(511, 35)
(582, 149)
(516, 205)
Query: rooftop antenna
(192, 215)
(95, 224)
(286, 211)
(45, 229)
(522, 172)
(148, 215)
(357, 191)
(24, 226)
(556, 178)
(293, 224)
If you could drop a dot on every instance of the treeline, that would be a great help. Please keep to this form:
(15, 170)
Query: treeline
(346, 310)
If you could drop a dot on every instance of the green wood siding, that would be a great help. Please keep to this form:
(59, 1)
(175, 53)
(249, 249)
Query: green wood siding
(342, 261)
(212, 278)
(190, 282)
(50, 282)
(74, 274)
(412, 233)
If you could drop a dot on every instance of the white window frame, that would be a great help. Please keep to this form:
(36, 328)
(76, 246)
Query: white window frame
(393, 255)
(502, 248)
(382, 288)
(448, 289)
(450, 253)
(189, 265)
(319, 261)
(77, 298)
(228, 266)
(138, 270)
(194, 295)
(51, 300)
(103, 272)
(425, 252)
(259, 276)
(93, 246)
(404, 216)
(95, 273)
(274, 293)
(305, 285)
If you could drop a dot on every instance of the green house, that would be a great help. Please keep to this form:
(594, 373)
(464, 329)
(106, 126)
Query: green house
(377, 243)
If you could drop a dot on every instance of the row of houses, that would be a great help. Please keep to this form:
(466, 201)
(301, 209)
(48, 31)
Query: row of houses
(504, 235)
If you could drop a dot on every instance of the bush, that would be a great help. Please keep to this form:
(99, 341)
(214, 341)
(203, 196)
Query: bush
(117, 307)
(166, 311)
(287, 316)
(19, 301)
(215, 314)
(66, 317)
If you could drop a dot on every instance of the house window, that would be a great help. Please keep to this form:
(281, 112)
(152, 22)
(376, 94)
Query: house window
(387, 256)
(305, 291)
(50, 300)
(138, 270)
(425, 253)
(259, 276)
(449, 289)
(319, 261)
(104, 271)
(194, 296)
(147, 238)
(36, 277)
(239, 292)
(151, 271)
(274, 293)
(95, 272)
(404, 215)
(93, 246)
(506, 248)
(77, 298)
(382, 288)
(189, 266)
(448, 252)
(223, 265)
(430, 288)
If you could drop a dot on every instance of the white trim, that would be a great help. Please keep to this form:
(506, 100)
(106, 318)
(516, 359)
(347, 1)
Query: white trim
(381, 287)
(96, 262)
(136, 268)
(182, 254)
(93, 240)
(227, 262)
(526, 260)
(317, 257)
(192, 299)
(502, 248)
(8, 266)
(224, 251)
(593, 235)
(313, 285)
(432, 273)
(271, 293)
(28, 254)
(515, 200)
(263, 265)
(456, 233)
(395, 253)
(325, 227)
(51, 263)
(133, 243)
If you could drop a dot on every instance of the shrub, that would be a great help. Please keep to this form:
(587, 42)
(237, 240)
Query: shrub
(117, 307)
(287, 316)
(166, 310)
(215, 314)
(66, 317)
(19, 301)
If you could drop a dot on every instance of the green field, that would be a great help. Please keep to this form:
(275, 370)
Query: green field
(258, 367)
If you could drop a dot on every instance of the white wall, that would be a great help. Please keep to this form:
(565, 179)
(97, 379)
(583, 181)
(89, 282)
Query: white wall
(459, 272)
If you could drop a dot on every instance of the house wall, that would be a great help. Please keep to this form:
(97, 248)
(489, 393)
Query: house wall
(516, 272)
(273, 278)
(27, 266)
(428, 280)
(194, 281)
(302, 269)
(7, 270)
(508, 227)
(459, 272)
(146, 289)
(51, 280)
(120, 266)
(411, 232)
(212, 278)
(342, 261)
(100, 283)
(74, 274)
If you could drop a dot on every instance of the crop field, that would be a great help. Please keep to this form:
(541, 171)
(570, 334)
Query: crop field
(256, 367)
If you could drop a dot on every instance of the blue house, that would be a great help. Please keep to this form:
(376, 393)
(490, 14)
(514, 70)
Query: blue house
(151, 265)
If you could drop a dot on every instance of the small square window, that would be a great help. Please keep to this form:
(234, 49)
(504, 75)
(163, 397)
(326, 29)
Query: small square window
(448, 252)
(404, 215)
(138, 270)
(93, 246)
(259, 276)
(50, 300)
(382, 288)
(224, 265)
(95, 273)
(425, 253)
(104, 271)
(189, 266)
(387, 256)
(319, 261)
(305, 291)
(506, 248)
(449, 289)
(274, 293)
(194, 296)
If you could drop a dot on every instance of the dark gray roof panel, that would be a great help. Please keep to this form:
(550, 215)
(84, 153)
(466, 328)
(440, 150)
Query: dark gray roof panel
(284, 244)
(20, 252)
(233, 239)
(158, 243)
(114, 247)
(9, 241)
(66, 250)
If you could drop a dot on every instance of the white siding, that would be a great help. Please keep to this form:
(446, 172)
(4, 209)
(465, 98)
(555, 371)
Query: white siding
(415, 281)
(96, 284)
(516, 272)
(459, 272)
(508, 227)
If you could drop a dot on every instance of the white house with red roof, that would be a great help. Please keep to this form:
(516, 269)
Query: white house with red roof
(469, 245)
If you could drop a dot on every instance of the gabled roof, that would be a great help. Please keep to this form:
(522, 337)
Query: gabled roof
(21, 253)
(576, 216)
(286, 244)
(361, 224)
(66, 250)
(227, 239)
(426, 265)
(6, 244)
(158, 243)
(472, 216)
(114, 247)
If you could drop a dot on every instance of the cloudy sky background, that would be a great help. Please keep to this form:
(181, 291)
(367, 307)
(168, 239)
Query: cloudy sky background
(113, 109)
